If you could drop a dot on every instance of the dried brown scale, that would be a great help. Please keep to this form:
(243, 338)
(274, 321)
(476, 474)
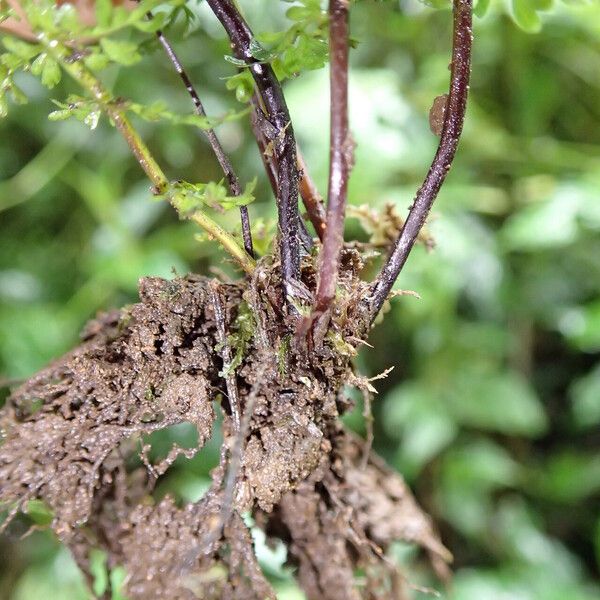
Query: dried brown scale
(383, 505)
(157, 363)
(344, 517)
(125, 381)
(165, 537)
(319, 544)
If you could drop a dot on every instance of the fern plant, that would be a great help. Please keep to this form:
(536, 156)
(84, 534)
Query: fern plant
(275, 346)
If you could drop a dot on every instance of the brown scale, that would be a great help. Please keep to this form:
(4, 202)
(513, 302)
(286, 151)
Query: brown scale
(70, 434)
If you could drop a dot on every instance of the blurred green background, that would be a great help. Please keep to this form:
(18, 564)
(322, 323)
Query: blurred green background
(492, 412)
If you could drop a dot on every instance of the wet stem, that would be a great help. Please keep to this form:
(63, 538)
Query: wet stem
(284, 165)
(284, 142)
(340, 158)
(452, 128)
(116, 112)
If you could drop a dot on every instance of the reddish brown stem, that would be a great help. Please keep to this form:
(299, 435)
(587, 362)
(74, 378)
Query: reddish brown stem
(452, 129)
(340, 158)
(284, 143)
(311, 198)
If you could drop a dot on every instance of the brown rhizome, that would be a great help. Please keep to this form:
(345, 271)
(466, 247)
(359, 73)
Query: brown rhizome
(286, 459)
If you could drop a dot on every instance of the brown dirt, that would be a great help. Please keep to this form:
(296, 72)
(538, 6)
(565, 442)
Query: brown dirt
(70, 431)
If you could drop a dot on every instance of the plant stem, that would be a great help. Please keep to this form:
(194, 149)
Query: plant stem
(268, 160)
(284, 143)
(224, 238)
(311, 198)
(228, 373)
(452, 129)
(340, 159)
(308, 190)
(232, 179)
(160, 185)
(115, 110)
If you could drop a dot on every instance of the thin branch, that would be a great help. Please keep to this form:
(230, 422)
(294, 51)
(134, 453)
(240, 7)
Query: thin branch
(235, 460)
(311, 198)
(284, 143)
(224, 238)
(308, 190)
(240, 424)
(232, 180)
(116, 112)
(269, 163)
(452, 129)
(261, 141)
(340, 159)
(228, 372)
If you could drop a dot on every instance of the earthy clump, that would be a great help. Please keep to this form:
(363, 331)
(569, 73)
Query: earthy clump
(71, 430)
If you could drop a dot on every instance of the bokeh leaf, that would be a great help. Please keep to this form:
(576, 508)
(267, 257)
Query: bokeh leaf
(585, 399)
(581, 326)
(525, 15)
(502, 402)
(568, 477)
(125, 53)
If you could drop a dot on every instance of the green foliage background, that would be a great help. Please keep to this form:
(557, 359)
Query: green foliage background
(492, 412)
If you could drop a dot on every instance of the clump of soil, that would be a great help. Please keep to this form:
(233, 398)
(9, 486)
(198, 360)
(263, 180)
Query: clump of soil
(70, 431)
